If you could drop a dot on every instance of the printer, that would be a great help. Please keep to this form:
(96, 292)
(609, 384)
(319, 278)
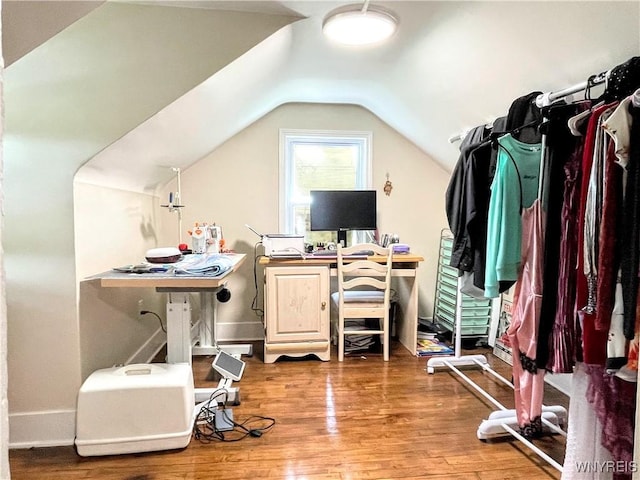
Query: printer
(283, 244)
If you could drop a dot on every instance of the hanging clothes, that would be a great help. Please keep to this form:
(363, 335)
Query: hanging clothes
(630, 254)
(618, 126)
(610, 300)
(631, 368)
(623, 80)
(613, 400)
(561, 159)
(563, 349)
(458, 203)
(514, 252)
(584, 434)
(528, 380)
(607, 316)
(514, 187)
(481, 167)
(593, 346)
(523, 119)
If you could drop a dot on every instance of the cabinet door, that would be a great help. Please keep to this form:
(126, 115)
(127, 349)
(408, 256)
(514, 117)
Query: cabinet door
(297, 304)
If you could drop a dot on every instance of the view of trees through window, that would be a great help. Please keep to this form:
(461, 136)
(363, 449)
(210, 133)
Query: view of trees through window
(316, 161)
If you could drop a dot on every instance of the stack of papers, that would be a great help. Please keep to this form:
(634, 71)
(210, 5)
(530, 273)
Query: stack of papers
(355, 342)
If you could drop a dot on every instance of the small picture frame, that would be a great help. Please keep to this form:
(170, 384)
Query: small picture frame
(500, 348)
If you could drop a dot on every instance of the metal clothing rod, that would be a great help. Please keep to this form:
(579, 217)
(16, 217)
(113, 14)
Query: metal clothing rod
(548, 98)
(545, 99)
(458, 136)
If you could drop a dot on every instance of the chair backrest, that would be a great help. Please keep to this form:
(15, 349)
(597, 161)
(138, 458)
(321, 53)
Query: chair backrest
(355, 271)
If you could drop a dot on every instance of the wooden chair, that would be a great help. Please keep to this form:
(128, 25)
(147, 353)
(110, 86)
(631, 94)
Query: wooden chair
(363, 292)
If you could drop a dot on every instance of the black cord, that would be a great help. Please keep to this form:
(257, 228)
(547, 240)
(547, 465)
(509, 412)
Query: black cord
(144, 312)
(206, 431)
(254, 303)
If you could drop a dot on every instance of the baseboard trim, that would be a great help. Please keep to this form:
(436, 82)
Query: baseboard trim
(53, 428)
(57, 428)
(239, 331)
(560, 381)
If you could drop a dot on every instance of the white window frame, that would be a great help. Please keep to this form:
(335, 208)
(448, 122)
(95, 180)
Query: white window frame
(288, 137)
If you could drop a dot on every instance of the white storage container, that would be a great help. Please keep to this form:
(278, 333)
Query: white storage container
(136, 408)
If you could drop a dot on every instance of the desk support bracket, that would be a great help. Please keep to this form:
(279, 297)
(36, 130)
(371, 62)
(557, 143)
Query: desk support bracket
(180, 340)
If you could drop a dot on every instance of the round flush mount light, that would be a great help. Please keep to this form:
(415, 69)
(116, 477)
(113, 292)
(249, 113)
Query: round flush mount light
(359, 24)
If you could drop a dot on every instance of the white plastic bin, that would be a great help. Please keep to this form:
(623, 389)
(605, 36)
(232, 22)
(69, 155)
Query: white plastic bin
(136, 408)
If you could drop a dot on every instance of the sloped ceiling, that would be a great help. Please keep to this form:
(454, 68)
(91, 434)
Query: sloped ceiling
(21, 34)
(451, 65)
(109, 71)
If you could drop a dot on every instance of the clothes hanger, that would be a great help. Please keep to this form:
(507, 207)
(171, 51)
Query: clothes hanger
(635, 98)
(587, 90)
(575, 122)
(515, 131)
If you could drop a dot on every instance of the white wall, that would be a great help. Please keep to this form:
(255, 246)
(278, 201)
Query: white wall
(4, 402)
(65, 101)
(237, 184)
(114, 228)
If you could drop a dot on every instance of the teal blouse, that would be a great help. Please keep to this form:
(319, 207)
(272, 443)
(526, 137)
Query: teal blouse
(514, 188)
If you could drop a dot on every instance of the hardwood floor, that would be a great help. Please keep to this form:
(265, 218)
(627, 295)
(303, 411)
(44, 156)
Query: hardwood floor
(361, 419)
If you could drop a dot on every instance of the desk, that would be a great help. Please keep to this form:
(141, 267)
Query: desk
(180, 332)
(300, 288)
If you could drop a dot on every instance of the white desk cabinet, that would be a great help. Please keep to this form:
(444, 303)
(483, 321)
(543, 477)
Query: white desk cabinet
(296, 312)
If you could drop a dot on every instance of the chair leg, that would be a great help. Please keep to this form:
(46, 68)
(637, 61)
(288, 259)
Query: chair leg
(385, 329)
(340, 338)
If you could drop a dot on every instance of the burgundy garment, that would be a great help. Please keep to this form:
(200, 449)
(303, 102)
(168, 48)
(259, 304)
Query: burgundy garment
(614, 401)
(561, 146)
(594, 342)
(563, 342)
(608, 255)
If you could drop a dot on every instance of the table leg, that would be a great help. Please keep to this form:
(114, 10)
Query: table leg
(178, 328)
(207, 344)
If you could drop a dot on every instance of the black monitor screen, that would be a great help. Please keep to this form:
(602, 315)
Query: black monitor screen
(343, 210)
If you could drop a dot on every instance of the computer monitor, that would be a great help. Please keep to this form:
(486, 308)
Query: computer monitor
(343, 210)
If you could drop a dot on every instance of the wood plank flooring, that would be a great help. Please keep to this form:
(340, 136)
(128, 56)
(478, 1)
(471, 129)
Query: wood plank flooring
(361, 419)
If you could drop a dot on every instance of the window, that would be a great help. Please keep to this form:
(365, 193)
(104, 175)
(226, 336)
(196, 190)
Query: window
(319, 160)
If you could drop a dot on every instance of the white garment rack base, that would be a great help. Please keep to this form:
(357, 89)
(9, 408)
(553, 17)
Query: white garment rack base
(464, 361)
(493, 426)
(504, 421)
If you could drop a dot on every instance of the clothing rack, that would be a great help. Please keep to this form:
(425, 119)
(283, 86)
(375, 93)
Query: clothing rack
(503, 421)
(545, 99)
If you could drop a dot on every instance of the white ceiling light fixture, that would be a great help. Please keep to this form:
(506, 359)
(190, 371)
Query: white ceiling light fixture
(359, 25)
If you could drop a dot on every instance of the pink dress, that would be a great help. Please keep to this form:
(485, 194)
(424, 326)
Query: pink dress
(522, 334)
